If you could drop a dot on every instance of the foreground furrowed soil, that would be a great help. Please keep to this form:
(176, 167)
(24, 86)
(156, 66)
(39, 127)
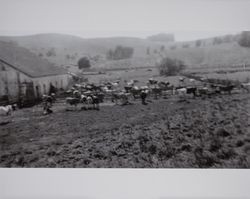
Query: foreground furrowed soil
(167, 133)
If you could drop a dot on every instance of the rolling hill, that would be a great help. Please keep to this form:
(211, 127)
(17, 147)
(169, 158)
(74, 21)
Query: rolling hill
(67, 49)
(225, 54)
(63, 50)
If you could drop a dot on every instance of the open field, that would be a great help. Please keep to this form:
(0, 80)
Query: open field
(231, 73)
(173, 132)
(140, 74)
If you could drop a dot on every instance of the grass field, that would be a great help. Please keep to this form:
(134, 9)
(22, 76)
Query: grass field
(169, 133)
(236, 74)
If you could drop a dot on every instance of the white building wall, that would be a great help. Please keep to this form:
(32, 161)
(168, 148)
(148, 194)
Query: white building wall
(43, 83)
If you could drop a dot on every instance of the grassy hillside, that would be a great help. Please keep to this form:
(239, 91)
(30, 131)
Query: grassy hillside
(67, 50)
(26, 61)
(225, 54)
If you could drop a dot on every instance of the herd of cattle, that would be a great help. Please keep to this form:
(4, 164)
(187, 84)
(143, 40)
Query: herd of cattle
(90, 95)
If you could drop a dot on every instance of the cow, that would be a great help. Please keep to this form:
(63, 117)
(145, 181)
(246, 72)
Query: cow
(6, 110)
(135, 91)
(227, 88)
(192, 90)
(181, 90)
(83, 100)
(90, 101)
(72, 101)
(203, 91)
(152, 81)
(123, 97)
(156, 91)
(245, 86)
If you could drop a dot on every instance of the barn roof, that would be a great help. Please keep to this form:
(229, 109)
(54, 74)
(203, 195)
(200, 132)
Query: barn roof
(27, 62)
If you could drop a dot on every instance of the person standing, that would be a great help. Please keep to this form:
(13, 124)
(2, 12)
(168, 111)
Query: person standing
(143, 96)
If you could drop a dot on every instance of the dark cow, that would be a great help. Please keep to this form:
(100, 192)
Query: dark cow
(122, 97)
(152, 81)
(227, 88)
(156, 91)
(192, 90)
(72, 101)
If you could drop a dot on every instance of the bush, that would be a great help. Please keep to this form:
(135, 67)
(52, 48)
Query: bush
(198, 43)
(173, 47)
(171, 66)
(51, 52)
(148, 50)
(244, 39)
(84, 63)
(185, 46)
(217, 40)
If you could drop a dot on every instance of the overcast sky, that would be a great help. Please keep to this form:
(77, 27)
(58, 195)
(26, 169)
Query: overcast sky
(188, 19)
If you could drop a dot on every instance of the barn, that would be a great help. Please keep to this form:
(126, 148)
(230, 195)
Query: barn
(26, 76)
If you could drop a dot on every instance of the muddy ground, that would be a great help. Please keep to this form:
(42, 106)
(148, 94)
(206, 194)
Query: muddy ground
(166, 133)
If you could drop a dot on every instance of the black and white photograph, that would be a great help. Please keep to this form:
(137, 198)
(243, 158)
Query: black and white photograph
(125, 84)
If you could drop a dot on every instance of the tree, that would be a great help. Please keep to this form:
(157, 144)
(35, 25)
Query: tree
(51, 52)
(162, 48)
(244, 39)
(173, 47)
(109, 54)
(67, 56)
(170, 66)
(227, 38)
(148, 50)
(120, 52)
(185, 46)
(217, 40)
(198, 43)
(84, 63)
(40, 54)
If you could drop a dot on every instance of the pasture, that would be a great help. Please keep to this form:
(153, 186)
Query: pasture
(140, 74)
(174, 132)
(229, 73)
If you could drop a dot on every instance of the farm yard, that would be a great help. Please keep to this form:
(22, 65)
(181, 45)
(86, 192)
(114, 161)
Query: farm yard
(125, 102)
(169, 132)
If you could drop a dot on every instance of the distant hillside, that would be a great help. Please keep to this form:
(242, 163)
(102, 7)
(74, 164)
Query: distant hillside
(224, 54)
(27, 62)
(162, 37)
(66, 49)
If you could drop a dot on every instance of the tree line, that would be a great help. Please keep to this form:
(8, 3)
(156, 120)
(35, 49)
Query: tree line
(120, 52)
